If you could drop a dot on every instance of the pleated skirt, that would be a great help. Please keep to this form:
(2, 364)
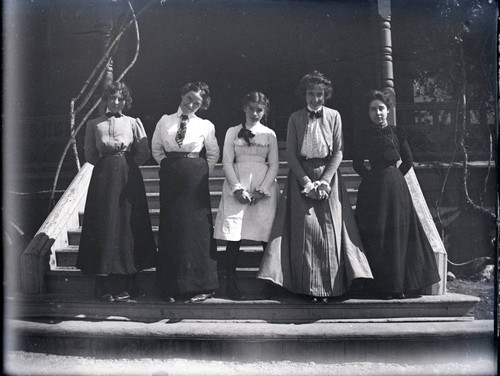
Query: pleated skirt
(396, 245)
(314, 247)
(116, 231)
(187, 252)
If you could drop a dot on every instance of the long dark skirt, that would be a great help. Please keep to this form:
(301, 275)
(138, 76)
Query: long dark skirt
(186, 249)
(116, 231)
(400, 255)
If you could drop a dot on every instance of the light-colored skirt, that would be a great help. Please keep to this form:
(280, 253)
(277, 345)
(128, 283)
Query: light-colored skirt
(314, 248)
(236, 221)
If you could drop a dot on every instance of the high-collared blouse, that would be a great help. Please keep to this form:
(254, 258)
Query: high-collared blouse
(331, 128)
(199, 133)
(314, 144)
(113, 135)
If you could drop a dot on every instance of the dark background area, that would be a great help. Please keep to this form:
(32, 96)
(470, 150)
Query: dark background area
(236, 46)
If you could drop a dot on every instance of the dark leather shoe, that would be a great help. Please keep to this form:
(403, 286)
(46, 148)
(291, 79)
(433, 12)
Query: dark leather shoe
(122, 296)
(167, 299)
(201, 297)
(107, 298)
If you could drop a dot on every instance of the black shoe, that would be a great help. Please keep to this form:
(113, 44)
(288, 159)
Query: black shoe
(107, 298)
(167, 298)
(310, 298)
(201, 297)
(123, 296)
(232, 290)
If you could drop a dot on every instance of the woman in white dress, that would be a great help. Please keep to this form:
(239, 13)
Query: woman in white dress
(250, 191)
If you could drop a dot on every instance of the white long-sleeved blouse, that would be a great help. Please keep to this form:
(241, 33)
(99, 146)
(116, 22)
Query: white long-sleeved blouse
(199, 133)
(111, 135)
(263, 146)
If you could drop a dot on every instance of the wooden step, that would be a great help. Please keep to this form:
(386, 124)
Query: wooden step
(215, 183)
(74, 237)
(215, 196)
(285, 307)
(72, 281)
(249, 257)
(151, 172)
(403, 343)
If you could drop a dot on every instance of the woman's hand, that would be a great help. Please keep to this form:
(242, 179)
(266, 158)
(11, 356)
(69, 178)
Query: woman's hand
(313, 193)
(243, 196)
(323, 190)
(256, 197)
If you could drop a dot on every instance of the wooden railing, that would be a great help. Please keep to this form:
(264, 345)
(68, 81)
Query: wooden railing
(39, 256)
(433, 135)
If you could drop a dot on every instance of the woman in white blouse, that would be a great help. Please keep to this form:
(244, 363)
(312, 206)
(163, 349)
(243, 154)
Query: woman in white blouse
(250, 192)
(117, 239)
(315, 248)
(187, 267)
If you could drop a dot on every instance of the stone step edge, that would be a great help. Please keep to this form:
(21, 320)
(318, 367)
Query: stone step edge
(315, 332)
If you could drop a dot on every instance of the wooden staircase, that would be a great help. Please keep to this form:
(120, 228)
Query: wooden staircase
(57, 310)
(64, 277)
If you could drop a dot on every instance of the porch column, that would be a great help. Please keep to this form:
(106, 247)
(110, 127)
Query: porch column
(384, 11)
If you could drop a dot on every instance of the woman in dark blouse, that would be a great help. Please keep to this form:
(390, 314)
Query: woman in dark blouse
(399, 253)
(117, 239)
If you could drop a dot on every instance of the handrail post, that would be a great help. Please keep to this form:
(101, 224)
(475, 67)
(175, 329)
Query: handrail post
(38, 256)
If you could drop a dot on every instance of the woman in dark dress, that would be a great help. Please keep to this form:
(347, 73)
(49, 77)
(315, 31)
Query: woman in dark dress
(117, 239)
(187, 267)
(399, 253)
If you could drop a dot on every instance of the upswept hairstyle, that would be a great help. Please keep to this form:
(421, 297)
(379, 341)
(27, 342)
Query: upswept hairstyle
(256, 97)
(312, 79)
(118, 87)
(386, 96)
(198, 87)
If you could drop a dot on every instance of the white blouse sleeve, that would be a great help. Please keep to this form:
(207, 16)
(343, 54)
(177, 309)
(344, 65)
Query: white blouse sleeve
(91, 152)
(274, 162)
(211, 147)
(228, 161)
(141, 147)
(157, 148)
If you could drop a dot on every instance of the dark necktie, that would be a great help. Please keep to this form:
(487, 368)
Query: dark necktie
(111, 114)
(315, 114)
(246, 134)
(181, 132)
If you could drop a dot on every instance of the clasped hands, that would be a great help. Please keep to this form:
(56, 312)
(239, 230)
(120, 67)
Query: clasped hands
(317, 190)
(245, 197)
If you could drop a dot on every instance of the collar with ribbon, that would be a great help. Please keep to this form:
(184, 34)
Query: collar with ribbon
(245, 134)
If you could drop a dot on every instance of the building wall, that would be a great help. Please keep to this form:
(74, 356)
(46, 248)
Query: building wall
(235, 46)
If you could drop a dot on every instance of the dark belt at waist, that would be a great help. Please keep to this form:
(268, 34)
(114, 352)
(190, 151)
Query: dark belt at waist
(114, 153)
(325, 159)
(181, 154)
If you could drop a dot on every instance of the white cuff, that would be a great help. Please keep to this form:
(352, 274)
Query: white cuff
(264, 191)
(324, 182)
(308, 187)
(237, 187)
